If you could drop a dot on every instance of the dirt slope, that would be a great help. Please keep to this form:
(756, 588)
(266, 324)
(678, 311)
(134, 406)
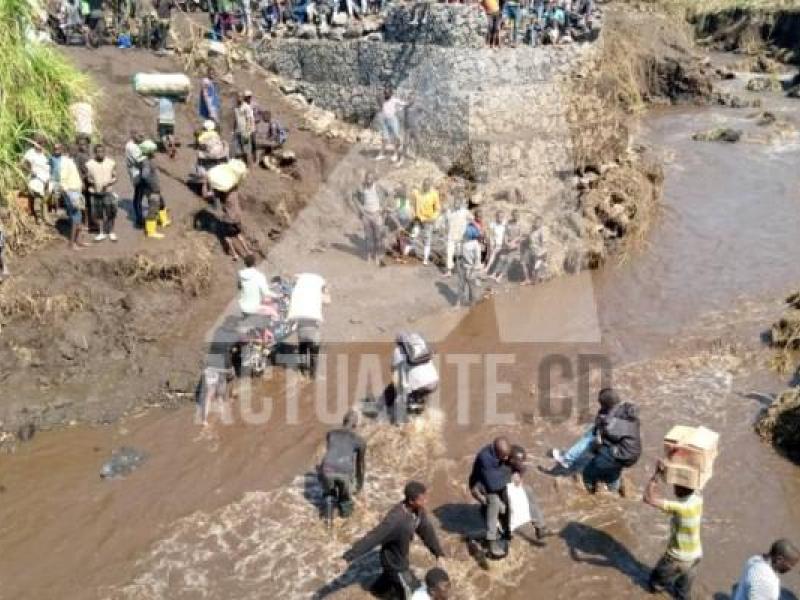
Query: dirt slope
(89, 335)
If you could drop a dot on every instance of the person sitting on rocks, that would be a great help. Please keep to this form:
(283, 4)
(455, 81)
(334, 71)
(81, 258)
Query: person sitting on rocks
(269, 135)
(510, 249)
(534, 252)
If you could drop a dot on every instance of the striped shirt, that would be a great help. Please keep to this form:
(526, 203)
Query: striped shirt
(684, 539)
(759, 581)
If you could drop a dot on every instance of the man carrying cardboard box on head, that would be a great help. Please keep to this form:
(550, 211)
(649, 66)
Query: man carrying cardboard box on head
(677, 568)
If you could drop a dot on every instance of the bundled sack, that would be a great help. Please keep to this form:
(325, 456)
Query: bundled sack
(162, 84)
(225, 177)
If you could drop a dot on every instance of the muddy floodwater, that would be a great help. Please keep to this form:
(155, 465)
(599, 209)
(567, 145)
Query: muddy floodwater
(228, 511)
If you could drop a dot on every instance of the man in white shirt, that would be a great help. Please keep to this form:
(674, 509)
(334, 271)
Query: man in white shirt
(37, 164)
(760, 577)
(436, 587)
(310, 292)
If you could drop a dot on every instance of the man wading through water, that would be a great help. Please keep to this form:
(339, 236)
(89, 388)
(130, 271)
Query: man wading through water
(343, 468)
(394, 535)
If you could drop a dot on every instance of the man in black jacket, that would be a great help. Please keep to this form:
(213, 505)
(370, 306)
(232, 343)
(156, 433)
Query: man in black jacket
(394, 535)
(343, 466)
(490, 475)
(612, 443)
(618, 447)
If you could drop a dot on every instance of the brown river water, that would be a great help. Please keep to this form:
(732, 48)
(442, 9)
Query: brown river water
(227, 512)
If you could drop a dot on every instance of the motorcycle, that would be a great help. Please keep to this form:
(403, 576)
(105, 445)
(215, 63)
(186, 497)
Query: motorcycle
(259, 336)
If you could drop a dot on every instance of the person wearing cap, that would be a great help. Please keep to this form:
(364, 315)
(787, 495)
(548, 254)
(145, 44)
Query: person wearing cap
(394, 535)
(436, 587)
(343, 469)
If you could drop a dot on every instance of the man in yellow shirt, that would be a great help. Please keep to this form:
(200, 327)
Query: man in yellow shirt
(677, 568)
(427, 209)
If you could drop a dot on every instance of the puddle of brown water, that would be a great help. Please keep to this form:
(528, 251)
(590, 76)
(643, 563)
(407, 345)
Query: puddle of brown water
(227, 514)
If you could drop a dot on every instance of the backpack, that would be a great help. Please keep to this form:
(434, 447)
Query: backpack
(415, 348)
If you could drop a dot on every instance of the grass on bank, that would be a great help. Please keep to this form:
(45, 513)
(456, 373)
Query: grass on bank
(37, 87)
(699, 7)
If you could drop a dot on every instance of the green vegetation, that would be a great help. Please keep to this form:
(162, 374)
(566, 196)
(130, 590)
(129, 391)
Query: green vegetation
(37, 86)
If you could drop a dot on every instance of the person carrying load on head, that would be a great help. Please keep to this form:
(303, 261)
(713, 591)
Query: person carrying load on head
(310, 292)
(211, 152)
(342, 470)
(414, 377)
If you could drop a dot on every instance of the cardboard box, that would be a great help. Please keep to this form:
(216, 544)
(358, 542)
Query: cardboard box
(690, 454)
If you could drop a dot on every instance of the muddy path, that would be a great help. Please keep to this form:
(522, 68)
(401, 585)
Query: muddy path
(229, 512)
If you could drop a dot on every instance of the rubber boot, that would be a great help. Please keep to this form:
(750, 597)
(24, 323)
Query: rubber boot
(163, 218)
(150, 229)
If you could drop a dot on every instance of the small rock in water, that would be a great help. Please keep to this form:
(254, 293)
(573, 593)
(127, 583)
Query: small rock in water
(722, 134)
(123, 462)
(763, 84)
(766, 118)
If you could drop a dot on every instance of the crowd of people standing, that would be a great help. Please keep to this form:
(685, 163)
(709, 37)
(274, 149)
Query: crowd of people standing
(447, 231)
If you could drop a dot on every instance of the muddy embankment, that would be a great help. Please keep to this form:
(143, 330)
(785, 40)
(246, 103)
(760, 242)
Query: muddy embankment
(644, 59)
(779, 423)
(768, 40)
